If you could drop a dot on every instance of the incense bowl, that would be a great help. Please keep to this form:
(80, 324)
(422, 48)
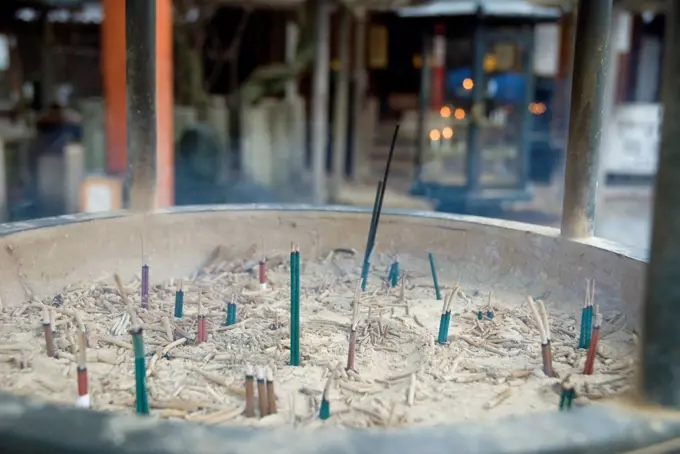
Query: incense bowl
(41, 257)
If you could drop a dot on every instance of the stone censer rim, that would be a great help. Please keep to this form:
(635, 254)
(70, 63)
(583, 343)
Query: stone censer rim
(637, 254)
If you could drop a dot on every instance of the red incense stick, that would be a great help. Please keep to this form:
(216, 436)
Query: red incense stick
(83, 400)
(263, 273)
(592, 350)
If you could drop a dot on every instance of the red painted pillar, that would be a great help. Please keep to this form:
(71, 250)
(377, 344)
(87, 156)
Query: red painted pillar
(113, 74)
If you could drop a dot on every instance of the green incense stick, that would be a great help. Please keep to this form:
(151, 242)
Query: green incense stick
(433, 270)
(295, 308)
(589, 326)
(442, 320)
(447, 323)
(325, 410)
(582, 333)
(394, 274)
(140, 372)
(179, 303)
(567, 396)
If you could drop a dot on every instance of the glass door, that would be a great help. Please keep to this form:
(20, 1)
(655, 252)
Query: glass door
(501, 111)
(445, 131)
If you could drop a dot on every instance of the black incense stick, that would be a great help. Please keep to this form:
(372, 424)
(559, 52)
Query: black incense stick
(384, 182)
(377, 208)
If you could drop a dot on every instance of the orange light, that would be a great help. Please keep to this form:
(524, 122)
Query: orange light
(468, 84)
(537, 108)
(445, 112)
(490, 63)
(435, 135)
(459, 114)
(447, 132)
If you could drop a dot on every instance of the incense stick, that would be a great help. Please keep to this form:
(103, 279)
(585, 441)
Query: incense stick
(250, 392)
(271, 395)
(366, 264)
(145, 286)
(202, 335)
(49, 335)
(393, 279)
(545, 341)
(295, 306)
(179, 302)
(587, 315)
(83, 400)
(433, 271)
(377, 209)
(445, 319)
(142, 398)
(351, 353)
(567, 395)
(592, 349)
(262, 393)
(231, 311)
(325, 409)
(262, 272)
(589, 318)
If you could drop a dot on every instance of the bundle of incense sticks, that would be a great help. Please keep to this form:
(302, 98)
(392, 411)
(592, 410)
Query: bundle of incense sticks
(271, 394)
(49, 335)
(262, 273)
(377, 209)
(250, 392)
(231, 311)
(445, 319)
(83, 400)
(179, 302)
(294, 306)
(433, 270)
(592, 349)
(393, 276)
(325, 409)
(351, 353)
(587, 315)
(202, 331)
(541, 317)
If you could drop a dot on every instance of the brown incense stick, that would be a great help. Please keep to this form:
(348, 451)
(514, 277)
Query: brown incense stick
(544, 331)
(262, 393)
(250, 392)
(271, 394)
(49, 336)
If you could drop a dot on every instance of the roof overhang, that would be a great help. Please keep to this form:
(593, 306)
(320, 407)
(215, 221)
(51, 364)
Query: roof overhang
(492, 8)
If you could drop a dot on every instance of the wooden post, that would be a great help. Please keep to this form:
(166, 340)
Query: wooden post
(320, 102)
(340, 116)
